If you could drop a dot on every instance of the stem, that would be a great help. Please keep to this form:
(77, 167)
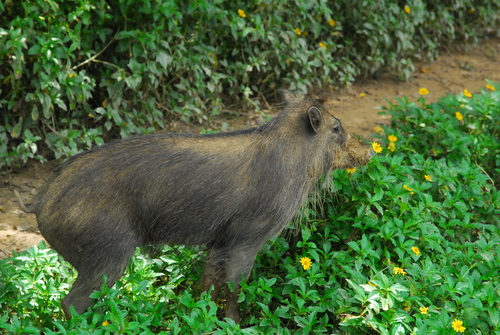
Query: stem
(97, 55)
(53, 130)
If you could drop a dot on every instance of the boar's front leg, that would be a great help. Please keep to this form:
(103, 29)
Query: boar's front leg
(214, 272)
(228, 265)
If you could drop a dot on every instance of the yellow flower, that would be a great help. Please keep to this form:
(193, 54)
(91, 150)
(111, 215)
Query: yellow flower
(378, 129)
(490, 87)
(331, 22)
(105, 323)
(408, 189)
(392, 138)
(467, 93)
(398, 271)
(457, 325)
(351, 171)
(376, 147)
(423, 91)
(459, 116)
(424, 310)
(306, 263)
(407, 10)
(241, 13)
(427, 177)
(321, 44)
(415, 250)
(297, 31)
(391, 146)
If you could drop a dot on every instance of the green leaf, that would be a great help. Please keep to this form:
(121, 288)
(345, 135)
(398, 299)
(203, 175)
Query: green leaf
(164, 58)
(46, 106)
(354, 246)
(380, 209)
(494, 316)
(460, 206)
(35, 113)
(35, 50)
(16, 131)
(133, 81)
(379, 193)
(211, 86)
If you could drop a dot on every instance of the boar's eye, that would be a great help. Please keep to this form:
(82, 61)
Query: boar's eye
(337, 127)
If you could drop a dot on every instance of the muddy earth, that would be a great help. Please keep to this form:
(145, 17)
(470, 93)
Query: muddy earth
(357, 106)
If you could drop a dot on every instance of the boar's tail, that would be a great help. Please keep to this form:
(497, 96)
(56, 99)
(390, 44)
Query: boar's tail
(26, 208)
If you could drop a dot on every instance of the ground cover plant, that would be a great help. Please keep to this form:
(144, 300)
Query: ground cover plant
(77, 73)
(406, 245)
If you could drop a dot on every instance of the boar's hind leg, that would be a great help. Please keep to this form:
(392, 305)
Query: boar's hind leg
(109, 257)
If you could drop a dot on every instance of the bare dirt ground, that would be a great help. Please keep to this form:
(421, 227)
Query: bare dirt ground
(357, 107)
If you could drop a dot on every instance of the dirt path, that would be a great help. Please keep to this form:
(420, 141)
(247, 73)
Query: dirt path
(451, 73)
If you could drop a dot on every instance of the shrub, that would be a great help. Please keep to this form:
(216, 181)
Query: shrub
(76, 73)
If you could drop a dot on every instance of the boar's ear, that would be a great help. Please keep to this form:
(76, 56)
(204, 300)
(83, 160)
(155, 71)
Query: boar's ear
(315, 117)
(286, 96)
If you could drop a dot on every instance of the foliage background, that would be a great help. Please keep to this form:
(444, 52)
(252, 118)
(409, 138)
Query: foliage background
(76, 73)
(407, 254)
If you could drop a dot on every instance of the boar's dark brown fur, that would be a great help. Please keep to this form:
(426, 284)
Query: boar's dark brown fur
(230, 191)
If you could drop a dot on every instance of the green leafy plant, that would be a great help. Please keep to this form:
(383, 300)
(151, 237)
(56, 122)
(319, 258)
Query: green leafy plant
(406, 245)
(459, 126)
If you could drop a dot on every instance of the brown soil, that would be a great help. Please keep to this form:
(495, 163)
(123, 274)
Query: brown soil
(451, 73)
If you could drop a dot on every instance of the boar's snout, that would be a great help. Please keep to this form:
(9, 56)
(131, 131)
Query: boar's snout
(352, 154)
(369, 155)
